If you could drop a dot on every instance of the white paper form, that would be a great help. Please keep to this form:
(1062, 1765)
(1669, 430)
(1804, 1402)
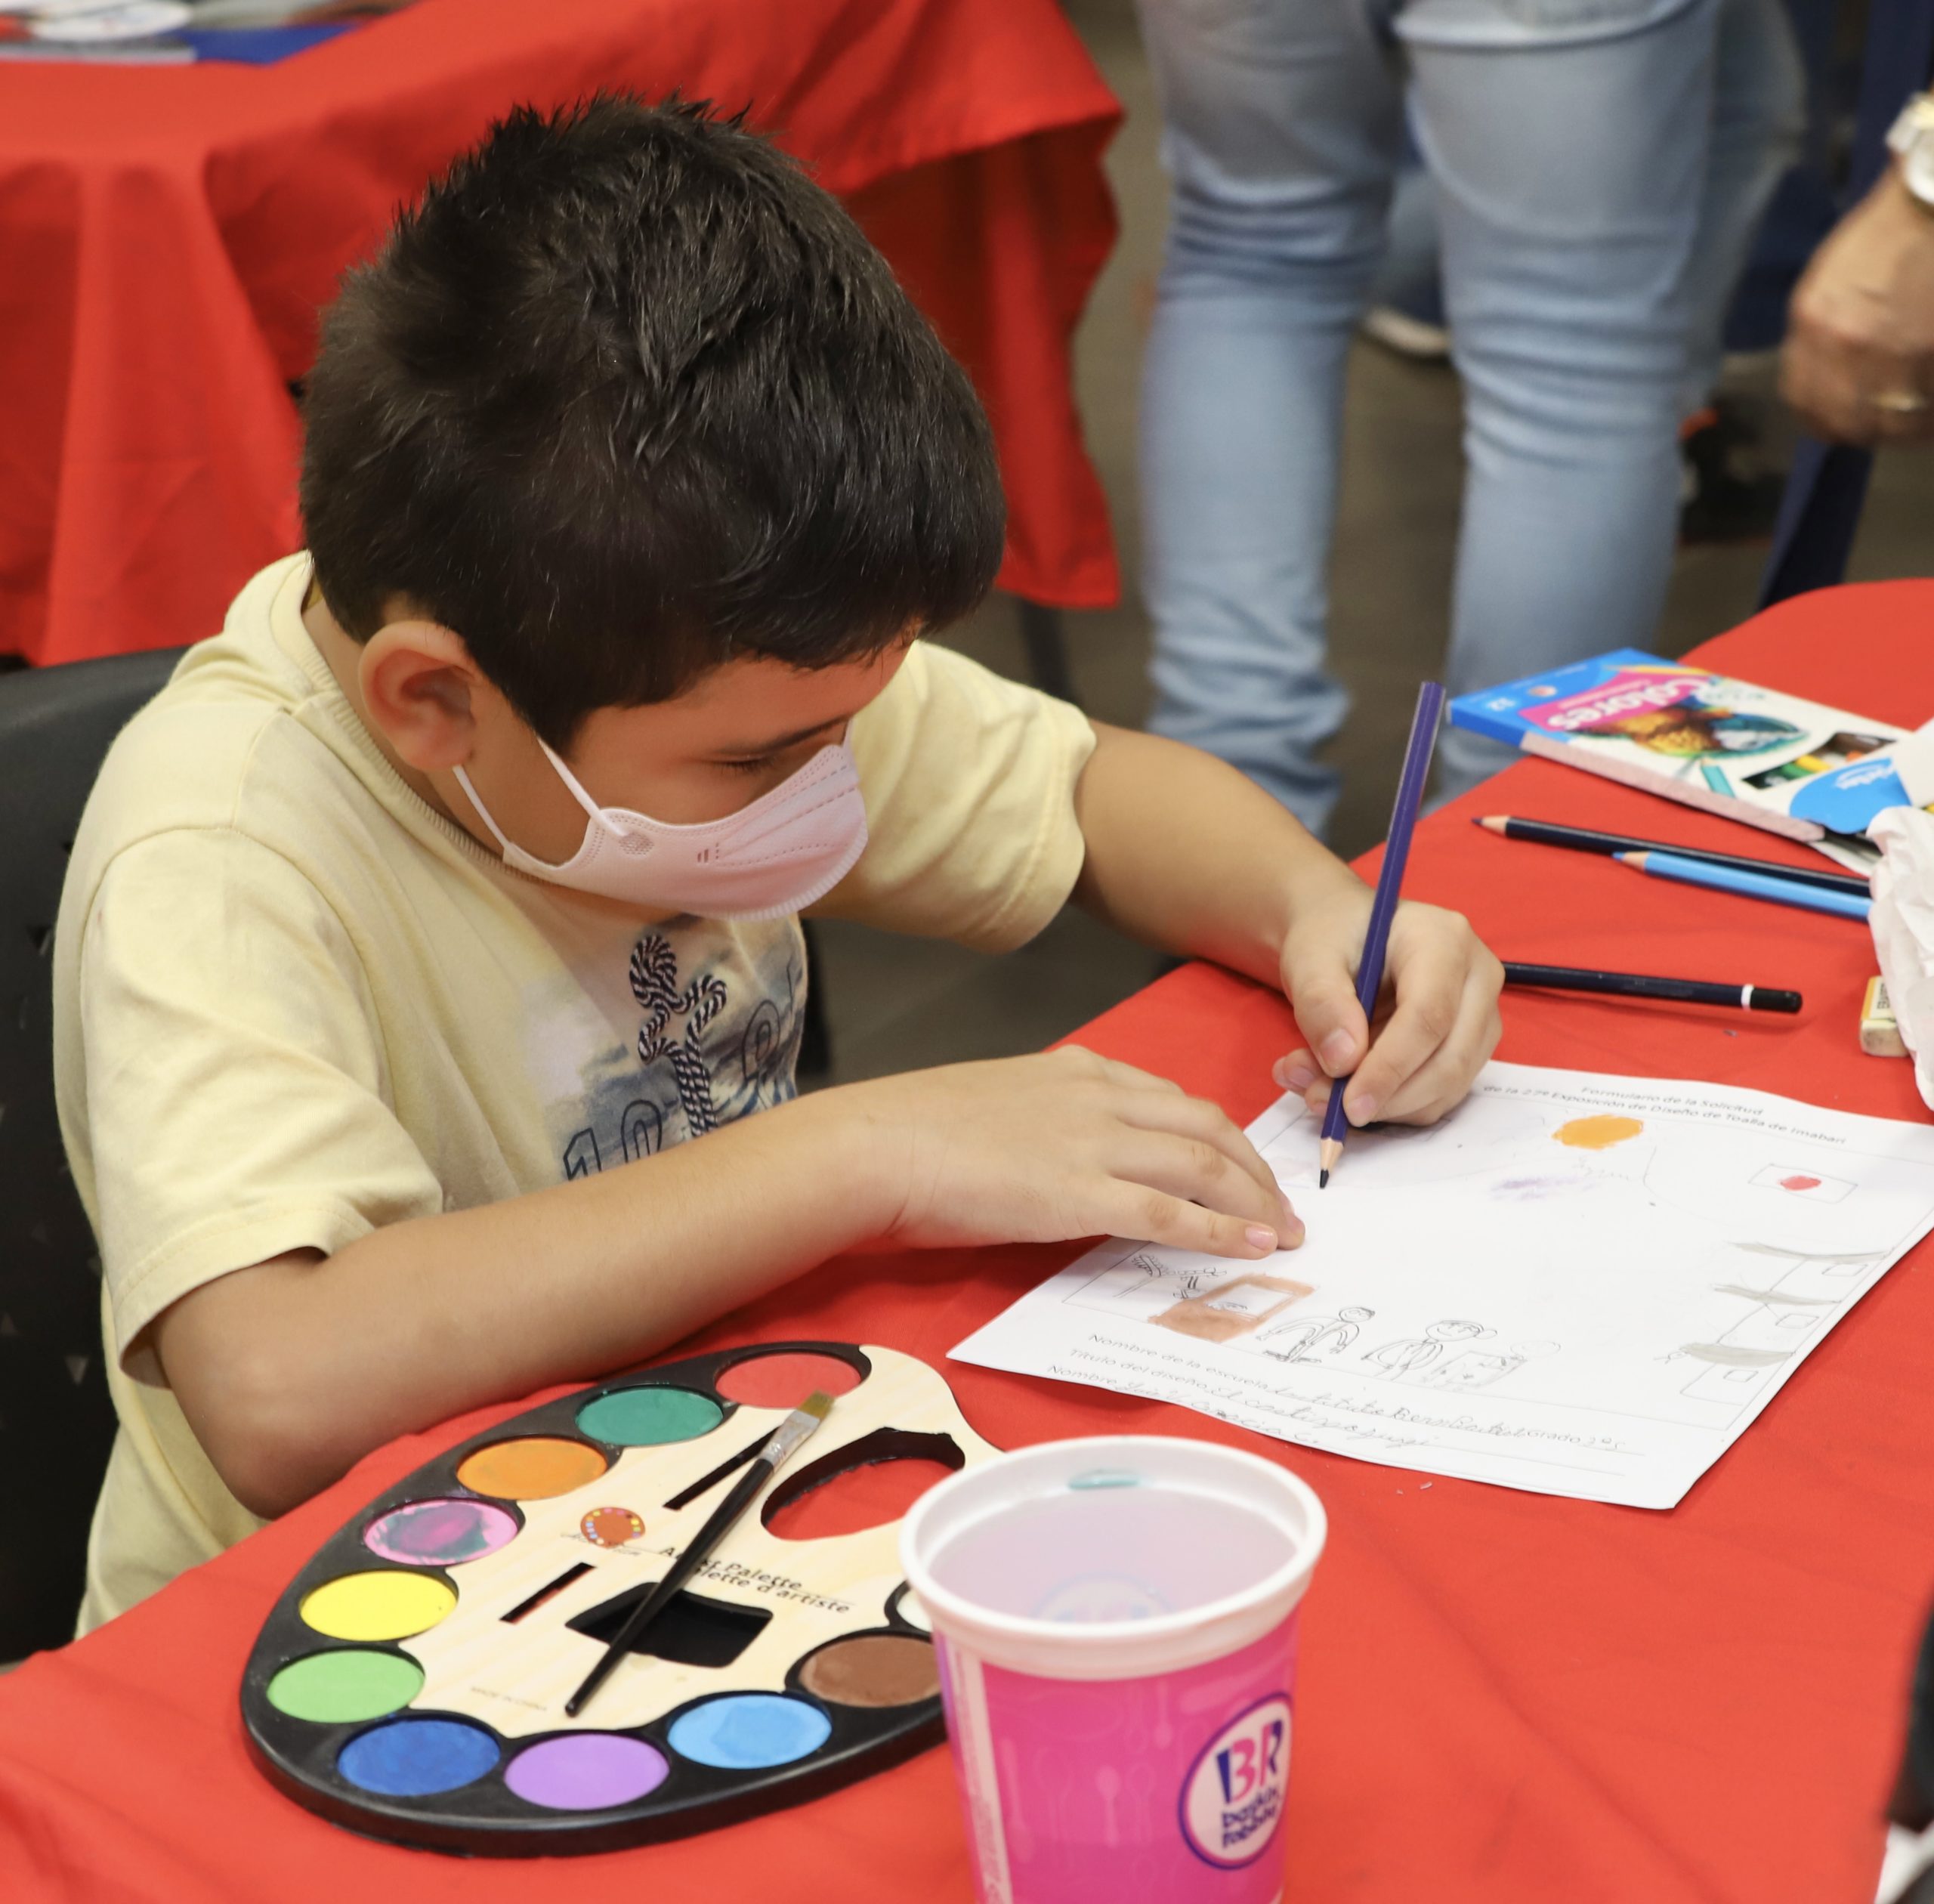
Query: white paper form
(1574, 1284)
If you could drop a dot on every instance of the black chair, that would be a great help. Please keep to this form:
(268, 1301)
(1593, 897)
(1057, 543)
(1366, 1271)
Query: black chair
(56, 1421)
(1912, 1805)
(1044, 636)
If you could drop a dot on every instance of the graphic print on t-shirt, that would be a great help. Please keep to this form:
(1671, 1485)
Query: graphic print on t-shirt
(715, 1043)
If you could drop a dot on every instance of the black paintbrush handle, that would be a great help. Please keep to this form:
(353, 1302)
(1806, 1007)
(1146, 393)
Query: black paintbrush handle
(1636, 984)
(681, 1569)
(710, 1478)
(1588, 839)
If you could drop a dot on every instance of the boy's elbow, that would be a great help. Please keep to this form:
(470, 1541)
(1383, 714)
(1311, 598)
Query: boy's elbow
(264, 1480)
(245, 1379)
(253, 1438)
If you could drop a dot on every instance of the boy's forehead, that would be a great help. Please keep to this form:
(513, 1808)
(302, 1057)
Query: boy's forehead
(756, 701)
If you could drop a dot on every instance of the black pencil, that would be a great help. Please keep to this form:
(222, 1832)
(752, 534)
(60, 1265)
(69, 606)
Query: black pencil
(785, 1438)
(1637, 984)
(1585, 840)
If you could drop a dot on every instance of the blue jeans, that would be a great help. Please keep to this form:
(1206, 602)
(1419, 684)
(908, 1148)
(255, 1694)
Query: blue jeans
(1598, 166)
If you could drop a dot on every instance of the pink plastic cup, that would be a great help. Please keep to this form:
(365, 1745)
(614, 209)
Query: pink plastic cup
(1115, 1619)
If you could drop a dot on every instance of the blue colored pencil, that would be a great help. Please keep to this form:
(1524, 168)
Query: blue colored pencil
(1755, 886)
(1383, 907)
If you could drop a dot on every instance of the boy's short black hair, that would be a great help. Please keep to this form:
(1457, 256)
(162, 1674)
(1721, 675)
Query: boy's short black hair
(626, 396)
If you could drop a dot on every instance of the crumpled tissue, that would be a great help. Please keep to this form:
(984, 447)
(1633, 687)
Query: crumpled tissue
(1902, 919)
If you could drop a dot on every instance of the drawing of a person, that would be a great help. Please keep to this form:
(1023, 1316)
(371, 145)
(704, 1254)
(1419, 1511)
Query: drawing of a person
(1475, 1369)
(1297, 1341)
(1411, 1353)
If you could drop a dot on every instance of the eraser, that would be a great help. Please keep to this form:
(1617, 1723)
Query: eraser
(1880, 1036)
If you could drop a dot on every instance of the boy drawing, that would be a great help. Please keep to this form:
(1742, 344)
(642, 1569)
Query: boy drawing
(430, 941)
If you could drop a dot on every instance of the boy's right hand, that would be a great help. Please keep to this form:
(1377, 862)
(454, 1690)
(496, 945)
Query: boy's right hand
(1067, 1145)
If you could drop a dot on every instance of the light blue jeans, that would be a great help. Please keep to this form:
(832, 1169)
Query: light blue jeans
(1599, 166)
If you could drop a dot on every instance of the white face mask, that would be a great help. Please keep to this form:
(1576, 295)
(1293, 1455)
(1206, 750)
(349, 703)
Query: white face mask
(789, 848)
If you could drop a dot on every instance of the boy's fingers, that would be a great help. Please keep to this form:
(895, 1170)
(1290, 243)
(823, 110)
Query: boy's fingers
(1444, 1077)
(1112, 1070)
(1297, 1072)
(1429, 998)
(1197, 1119)
(1134, 1209)
(1323, 995)
(1195, 1170)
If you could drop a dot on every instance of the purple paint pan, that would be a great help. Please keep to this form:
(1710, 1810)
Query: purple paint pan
(443, 1533)
(586, 1772)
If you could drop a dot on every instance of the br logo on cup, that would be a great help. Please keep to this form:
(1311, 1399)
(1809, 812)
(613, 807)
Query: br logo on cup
(1233, 1796)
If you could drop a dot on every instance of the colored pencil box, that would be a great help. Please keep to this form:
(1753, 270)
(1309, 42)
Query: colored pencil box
(1787, 765)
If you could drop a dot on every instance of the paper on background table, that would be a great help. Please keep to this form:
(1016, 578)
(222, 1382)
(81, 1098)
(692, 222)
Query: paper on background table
(1574, 1284)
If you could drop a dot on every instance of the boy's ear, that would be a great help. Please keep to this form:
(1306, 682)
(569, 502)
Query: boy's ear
(420, 687)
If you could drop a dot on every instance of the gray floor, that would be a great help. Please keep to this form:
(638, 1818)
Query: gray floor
(897, 1004)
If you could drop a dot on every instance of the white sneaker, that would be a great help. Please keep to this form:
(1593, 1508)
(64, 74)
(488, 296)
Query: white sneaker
(1408, 336)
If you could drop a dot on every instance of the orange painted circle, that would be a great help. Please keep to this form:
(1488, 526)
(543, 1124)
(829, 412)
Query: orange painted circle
(533, 1469)
(1598, 1133)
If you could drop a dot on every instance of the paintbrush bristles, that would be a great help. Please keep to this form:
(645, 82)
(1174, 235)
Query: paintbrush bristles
(818, 1404)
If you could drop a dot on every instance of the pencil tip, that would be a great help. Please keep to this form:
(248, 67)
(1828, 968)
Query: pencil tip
(1490, 822)
(1323, 1179)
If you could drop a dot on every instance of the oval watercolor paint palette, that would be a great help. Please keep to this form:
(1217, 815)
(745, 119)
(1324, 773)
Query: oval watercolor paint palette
(410, 1682)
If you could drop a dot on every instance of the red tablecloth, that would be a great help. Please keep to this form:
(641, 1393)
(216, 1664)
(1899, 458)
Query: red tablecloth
(167, 235)
(1504, 1697)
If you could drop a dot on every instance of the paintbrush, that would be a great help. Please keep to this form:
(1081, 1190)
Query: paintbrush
(785, 1438)
(1384, 906)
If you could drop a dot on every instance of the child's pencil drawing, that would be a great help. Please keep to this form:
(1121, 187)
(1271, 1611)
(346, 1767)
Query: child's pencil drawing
(1229, 1309)
(1576, 1284)
(1405, 1357)
(1475, 1368)
(1301, 1336)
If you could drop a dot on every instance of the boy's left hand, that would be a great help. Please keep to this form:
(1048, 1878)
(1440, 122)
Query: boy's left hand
(1437, 1017)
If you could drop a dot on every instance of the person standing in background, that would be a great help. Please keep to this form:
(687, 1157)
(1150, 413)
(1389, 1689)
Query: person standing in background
(1599, 165)
(1858, 365)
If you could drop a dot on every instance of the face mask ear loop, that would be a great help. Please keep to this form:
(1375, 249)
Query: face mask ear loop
(469, 793)
(570, 779)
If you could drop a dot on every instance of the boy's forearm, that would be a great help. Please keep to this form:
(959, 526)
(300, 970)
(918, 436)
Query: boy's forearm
(291, 1371)
(1185, 853)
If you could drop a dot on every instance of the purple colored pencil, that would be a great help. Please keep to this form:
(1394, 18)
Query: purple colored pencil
(1383, 908)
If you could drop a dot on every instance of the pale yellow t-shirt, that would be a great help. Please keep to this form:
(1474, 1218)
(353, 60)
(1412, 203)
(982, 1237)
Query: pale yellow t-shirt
(292, 1002)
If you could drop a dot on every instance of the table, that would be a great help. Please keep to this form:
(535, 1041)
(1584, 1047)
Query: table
(167, 235)
(1504, 1696)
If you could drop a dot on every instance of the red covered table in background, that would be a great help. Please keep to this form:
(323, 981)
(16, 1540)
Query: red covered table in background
(167, 233)
(1506, 1698)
